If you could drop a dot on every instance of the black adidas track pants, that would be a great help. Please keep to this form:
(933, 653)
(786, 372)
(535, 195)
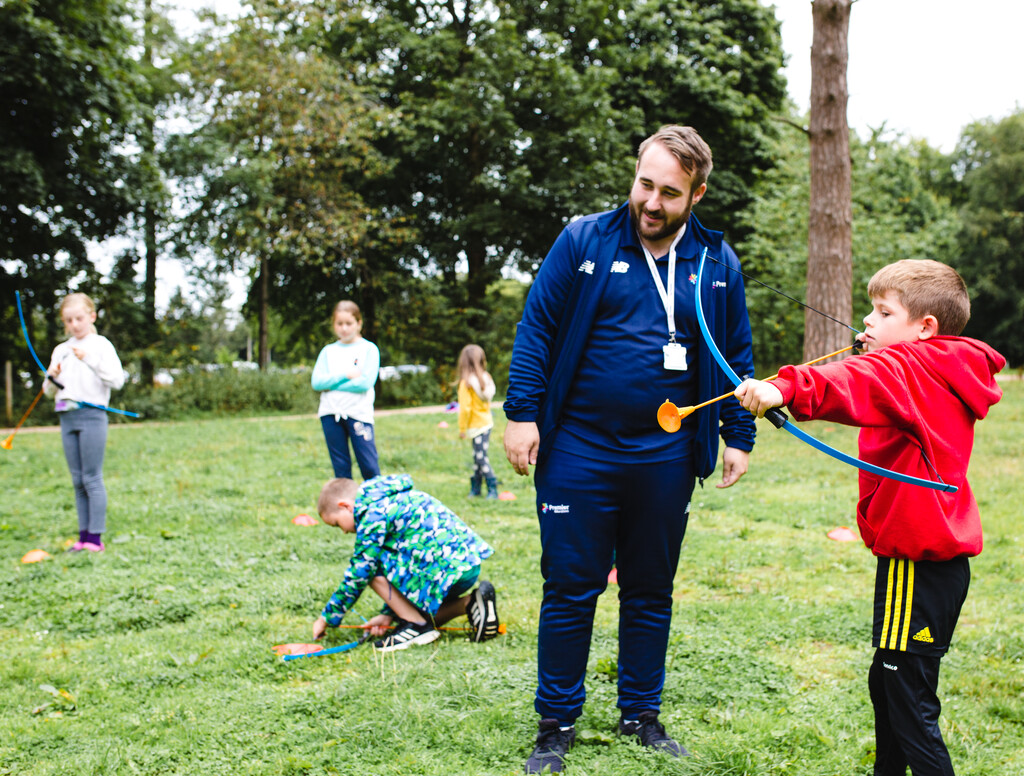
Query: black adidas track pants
(917, 605)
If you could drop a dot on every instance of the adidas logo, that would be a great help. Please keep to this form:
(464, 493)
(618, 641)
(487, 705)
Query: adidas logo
(924, 635)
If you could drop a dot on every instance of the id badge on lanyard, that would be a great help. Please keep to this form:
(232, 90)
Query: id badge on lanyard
(675, 354)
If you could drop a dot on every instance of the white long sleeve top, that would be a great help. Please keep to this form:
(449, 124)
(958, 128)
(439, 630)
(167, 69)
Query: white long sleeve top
(89, 379)
(341, 396)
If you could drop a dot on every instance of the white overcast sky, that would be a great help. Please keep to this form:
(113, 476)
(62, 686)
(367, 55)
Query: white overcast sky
(923, 68)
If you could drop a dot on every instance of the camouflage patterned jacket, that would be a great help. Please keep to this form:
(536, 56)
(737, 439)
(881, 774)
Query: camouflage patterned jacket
(411, 538)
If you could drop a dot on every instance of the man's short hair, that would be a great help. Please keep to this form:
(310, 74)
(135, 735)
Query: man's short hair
(687, 147)
(333, 491)
(926, 287)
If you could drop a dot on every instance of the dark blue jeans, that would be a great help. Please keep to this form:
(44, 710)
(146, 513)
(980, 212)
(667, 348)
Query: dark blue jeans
(338, 434)
(591, 512)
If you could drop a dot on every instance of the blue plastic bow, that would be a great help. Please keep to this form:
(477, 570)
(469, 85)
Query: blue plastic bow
(839, 455)
(24, 331)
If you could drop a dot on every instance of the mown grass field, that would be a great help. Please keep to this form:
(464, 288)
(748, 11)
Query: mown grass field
(155, 657)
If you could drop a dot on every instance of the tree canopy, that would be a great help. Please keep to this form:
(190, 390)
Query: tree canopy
(68, 87)
(421, 157)
(518, 116)
(989, 161)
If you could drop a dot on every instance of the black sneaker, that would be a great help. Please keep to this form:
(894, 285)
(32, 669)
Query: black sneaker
(552, 745)
(407, 634)
(483, 613)
(651, 733)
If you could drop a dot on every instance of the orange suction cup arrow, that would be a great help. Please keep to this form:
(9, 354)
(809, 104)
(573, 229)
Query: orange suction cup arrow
(670, 417)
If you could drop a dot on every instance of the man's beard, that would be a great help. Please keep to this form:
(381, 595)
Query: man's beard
(666, 229)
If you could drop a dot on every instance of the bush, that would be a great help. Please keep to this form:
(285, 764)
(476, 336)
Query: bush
(414, 390)
(228, 391)
(222, 392)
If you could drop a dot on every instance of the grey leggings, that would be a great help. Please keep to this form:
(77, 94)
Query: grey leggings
(84, 434)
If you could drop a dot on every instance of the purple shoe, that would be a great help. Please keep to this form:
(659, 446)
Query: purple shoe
(92, 547)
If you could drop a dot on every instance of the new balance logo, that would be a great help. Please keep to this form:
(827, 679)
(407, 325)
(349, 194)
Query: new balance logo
(587, 266)
(620, 266)
(924, 635)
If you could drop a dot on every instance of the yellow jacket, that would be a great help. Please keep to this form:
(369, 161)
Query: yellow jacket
(475, 406)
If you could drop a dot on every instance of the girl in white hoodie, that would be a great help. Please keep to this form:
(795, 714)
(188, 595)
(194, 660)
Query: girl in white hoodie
(84, 369)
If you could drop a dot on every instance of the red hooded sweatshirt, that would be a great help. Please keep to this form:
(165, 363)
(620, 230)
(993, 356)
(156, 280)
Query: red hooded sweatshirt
(915, 403)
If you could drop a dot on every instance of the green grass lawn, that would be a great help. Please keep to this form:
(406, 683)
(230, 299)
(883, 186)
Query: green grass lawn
(155, 657)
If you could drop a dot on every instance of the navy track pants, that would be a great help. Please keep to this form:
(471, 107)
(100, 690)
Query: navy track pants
(591, 512)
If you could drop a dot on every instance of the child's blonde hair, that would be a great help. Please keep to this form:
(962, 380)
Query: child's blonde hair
(926, 287)
(472, 361)
(347, 306)
(78, 298)
(333, 491)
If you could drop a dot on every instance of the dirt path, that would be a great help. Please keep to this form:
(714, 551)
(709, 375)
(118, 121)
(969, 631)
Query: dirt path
(438, 409)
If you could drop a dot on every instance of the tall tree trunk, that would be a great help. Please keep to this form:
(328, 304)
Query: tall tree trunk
(149, 210)
(477, 279)
(264, 304)
(829, 239)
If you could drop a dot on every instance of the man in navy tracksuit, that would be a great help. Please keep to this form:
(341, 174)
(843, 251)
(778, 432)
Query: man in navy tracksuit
(609, 333)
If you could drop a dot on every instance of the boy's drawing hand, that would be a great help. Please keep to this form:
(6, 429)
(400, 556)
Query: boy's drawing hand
(758, 396)
(378, 625)
(319, 628)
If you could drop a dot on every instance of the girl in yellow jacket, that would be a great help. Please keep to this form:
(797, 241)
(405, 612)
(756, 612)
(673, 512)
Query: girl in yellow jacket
(476, 389)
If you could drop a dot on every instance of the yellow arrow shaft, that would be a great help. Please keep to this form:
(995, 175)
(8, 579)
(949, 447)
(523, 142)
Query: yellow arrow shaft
(684, 411)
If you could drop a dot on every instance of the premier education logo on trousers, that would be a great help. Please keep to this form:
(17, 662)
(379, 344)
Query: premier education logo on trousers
(554, 509)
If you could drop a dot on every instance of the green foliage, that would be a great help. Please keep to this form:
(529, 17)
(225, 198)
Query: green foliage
(897, 214)
(990, 160)
(222, 391)
(518, 116)
(713, 65)
(413, 390)
(68, 85)
(155, 657)
(271, 169)
(420, 326)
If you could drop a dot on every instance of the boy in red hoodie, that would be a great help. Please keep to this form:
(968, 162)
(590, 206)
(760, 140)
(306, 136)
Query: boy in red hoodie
(916, 393)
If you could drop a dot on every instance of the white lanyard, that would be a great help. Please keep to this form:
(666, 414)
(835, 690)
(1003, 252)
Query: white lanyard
(667, 299)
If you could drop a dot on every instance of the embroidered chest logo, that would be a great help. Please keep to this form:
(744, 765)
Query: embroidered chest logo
(587, 266)
(718, 284)
(620, 266)
(692, 279)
